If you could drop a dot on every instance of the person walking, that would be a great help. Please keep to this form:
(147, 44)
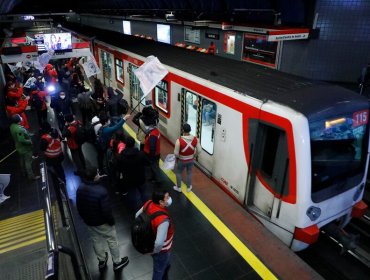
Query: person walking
(94, 207)
(164, 232)
(187, 147)
(23, 145)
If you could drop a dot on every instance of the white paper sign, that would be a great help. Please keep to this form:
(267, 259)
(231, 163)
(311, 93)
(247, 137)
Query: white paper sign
(150, 74)
(91, 67)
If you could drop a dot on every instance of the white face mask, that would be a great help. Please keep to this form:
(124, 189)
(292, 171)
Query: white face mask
(169, 201)
(62, 96)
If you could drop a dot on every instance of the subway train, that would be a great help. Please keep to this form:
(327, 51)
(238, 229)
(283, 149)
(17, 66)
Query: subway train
(292, 151)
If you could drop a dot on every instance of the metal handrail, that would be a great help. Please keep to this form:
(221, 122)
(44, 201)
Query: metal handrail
(52, 270)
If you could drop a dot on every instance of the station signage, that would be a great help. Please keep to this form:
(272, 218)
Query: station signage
(212, 36)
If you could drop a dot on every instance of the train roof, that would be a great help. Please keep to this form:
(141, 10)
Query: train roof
(303, 95)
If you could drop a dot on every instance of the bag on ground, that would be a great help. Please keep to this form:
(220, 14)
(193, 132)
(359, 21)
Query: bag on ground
(142, 235)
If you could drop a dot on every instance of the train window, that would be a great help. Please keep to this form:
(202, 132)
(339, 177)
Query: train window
(209, 109)
(192, 101)
(107, 68)
(135, 88)
(274, 164)
(119, 70)
(161, 96)
(339, 152)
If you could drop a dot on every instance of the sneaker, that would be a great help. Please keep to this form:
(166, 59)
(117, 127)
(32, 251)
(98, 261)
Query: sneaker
(124, 193)
(189, 188)
(177, 189)
(103, 264)
(117, 266)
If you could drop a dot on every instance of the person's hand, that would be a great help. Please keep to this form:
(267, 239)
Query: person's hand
(126, 117)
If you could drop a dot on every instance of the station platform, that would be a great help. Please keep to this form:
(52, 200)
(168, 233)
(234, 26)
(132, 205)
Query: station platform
(215, 238)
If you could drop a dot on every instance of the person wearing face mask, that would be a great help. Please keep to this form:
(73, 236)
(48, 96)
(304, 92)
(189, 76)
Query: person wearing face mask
(164, 232)
(62, 107)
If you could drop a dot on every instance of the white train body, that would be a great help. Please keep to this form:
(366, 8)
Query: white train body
(244, 129)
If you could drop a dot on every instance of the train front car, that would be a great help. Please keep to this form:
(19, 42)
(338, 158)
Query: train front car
(339, 147)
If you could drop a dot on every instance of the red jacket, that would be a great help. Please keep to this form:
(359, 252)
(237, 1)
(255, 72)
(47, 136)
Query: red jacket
(158, 220)
(54, 148)
(20, 109)
(14, 93)
(42, 95)
(153, 134)
(71, 140)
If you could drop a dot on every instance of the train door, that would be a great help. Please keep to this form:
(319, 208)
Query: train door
(136, 93)
(106, 67)
(200, 113)
(269, 169)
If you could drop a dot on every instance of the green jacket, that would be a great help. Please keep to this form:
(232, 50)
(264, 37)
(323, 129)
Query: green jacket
(22, 138)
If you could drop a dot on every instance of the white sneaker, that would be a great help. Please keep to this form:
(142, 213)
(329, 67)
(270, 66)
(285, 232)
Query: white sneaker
(177, 189)
(189, 188)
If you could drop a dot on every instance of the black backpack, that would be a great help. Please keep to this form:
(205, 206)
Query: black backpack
(36, 101)
(90, 135)
(142, 235)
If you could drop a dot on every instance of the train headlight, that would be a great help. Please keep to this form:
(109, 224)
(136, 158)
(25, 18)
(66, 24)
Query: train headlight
(313, 213)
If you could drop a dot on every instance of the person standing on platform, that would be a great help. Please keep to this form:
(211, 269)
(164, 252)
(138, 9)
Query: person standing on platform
(62, 106)
(51, 146)
(132, 163)
(95, 209)
(70, 132)
(23, 145)
(103, 137)
(164, 231)
(187, 147)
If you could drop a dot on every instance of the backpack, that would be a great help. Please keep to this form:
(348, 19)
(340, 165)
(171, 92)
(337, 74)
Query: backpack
(80, 136)
(36, 101)
(142, 235)
(90, 132)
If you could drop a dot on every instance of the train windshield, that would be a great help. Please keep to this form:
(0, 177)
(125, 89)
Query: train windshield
(339, 151)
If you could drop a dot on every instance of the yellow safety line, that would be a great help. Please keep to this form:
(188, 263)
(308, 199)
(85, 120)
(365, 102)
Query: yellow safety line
(38, 222)
(20, 222)
(27, 238)
(21, 231)
(23, 244)
(22, 217)
(28, 229)
(233, 240)
(19, 235)
(4, 158)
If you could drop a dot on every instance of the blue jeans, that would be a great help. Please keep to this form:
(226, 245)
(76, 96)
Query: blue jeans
(161, 265)
(181, 165)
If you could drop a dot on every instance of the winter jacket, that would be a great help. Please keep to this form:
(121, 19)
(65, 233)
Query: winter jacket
(93, 204)
(22, 139)
(14, 93)
(61, 106)
(132, 162)
(19, 109)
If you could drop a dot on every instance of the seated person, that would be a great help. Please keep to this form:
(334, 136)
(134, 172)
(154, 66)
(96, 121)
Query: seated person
(209, 113)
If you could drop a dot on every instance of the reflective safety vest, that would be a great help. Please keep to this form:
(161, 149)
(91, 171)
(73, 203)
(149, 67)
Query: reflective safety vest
(153, 133)
(54, 148)
(158, 220)
(187, 149)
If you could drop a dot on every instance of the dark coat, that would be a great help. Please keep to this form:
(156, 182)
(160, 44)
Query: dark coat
(93, 204)
(132, 162)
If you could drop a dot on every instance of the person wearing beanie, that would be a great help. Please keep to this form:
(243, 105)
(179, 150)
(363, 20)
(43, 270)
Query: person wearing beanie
(23, 145)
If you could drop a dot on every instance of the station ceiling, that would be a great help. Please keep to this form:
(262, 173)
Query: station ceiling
(291, 12)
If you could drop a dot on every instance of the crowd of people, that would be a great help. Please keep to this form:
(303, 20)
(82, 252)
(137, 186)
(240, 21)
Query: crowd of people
(97, 116)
